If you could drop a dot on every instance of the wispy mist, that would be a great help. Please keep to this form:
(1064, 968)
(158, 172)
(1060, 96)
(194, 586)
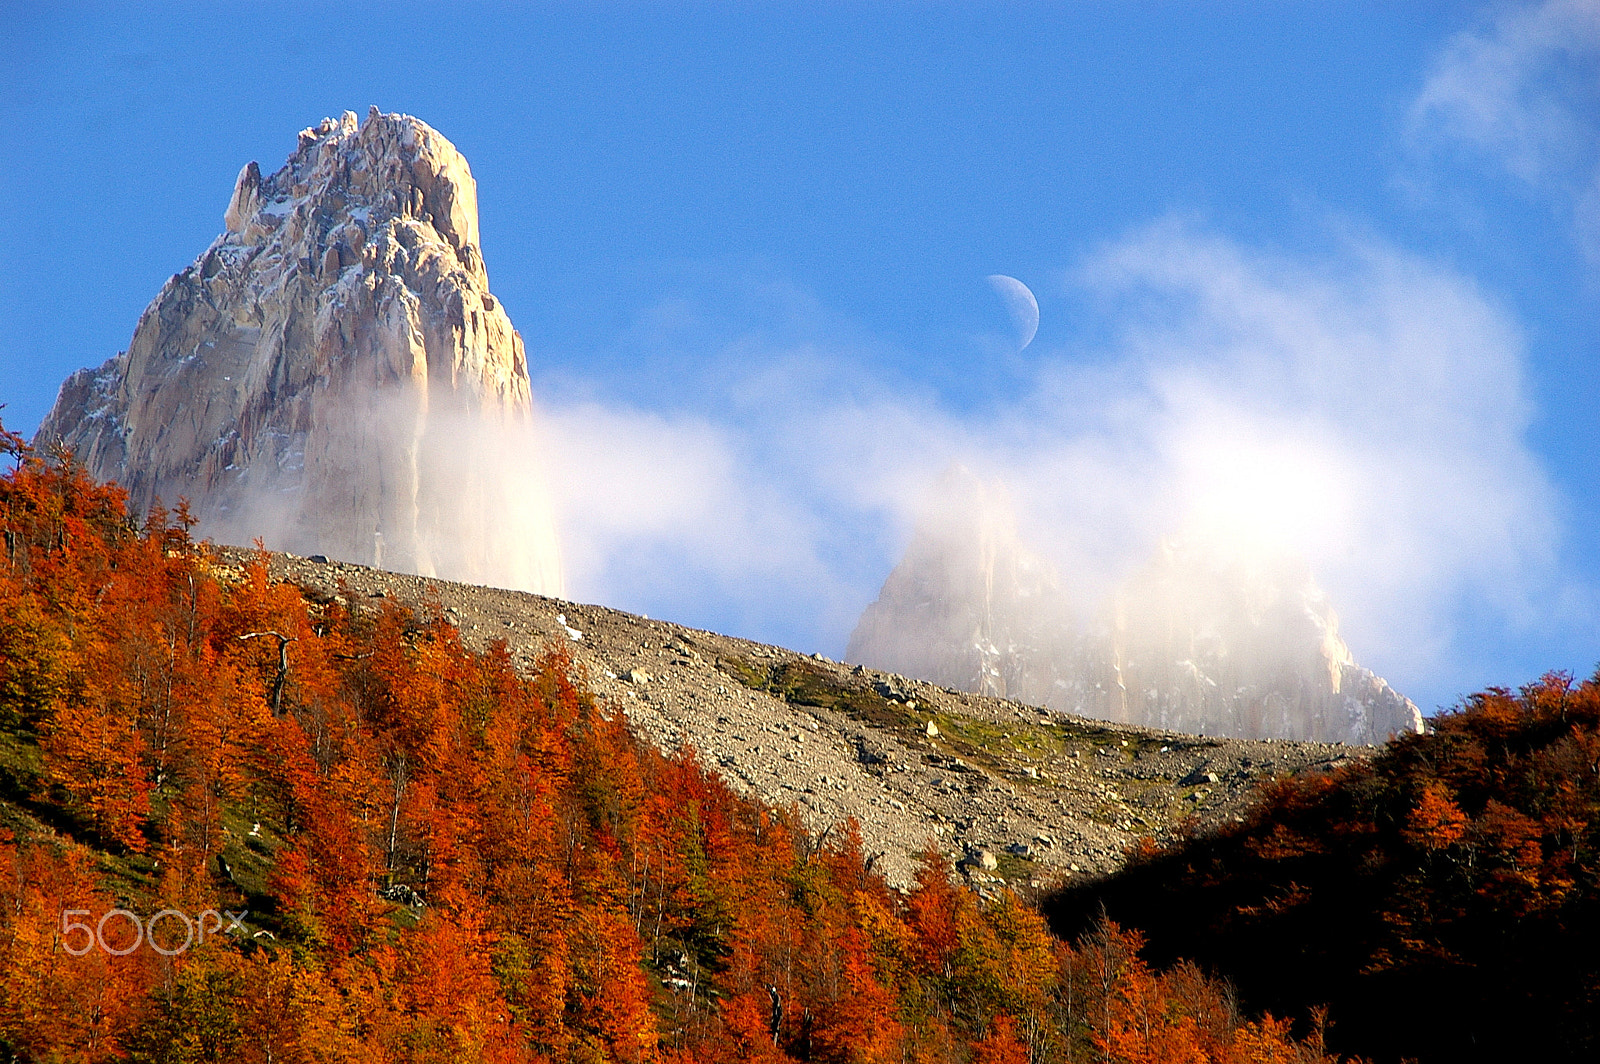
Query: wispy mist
(1524, 92)
(1364, 409)
(406, 477)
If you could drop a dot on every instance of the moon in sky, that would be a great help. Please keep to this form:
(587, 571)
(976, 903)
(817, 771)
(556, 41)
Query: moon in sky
(1024, 309)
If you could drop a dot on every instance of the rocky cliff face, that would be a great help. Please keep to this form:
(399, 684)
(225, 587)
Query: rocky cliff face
(969, 607)
(333, 374)
(1203, 643)
(1194, 642)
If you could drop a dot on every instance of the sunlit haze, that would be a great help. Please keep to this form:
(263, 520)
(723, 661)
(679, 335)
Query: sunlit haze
(1270, 494)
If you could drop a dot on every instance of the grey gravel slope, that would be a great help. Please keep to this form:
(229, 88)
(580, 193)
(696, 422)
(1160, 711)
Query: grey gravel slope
(1013, 792)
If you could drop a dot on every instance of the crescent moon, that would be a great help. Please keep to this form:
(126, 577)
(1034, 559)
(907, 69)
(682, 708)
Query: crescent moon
(1021, 305)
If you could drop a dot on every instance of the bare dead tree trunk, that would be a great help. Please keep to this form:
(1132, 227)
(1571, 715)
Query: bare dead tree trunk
(283, 667)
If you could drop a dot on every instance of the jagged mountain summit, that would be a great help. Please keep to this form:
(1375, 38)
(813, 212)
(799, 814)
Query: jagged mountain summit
(1197, 641)
(1203, 641)
(333, 374)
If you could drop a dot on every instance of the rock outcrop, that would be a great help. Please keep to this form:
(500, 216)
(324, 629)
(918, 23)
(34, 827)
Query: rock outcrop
(1196, 641)
(332, 374)
(969, 607)
(1201, 642)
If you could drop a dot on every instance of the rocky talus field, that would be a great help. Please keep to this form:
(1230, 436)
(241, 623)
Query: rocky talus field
(1014, 793)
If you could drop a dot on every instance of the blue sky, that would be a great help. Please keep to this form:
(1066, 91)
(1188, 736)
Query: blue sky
(1332, 268)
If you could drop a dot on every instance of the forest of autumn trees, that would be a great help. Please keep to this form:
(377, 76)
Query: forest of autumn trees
(1442, 899)
(444, 859)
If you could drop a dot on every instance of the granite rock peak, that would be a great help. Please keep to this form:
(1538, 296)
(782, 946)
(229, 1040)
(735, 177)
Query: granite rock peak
(1198, 640)
(333, 374)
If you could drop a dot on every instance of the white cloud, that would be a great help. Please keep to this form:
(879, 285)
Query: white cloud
(1387, 386)
(1365, 407)
(1526, 91)
(667, 513)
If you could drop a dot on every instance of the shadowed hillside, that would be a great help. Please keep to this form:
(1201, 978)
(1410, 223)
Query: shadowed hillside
(1442, 899)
